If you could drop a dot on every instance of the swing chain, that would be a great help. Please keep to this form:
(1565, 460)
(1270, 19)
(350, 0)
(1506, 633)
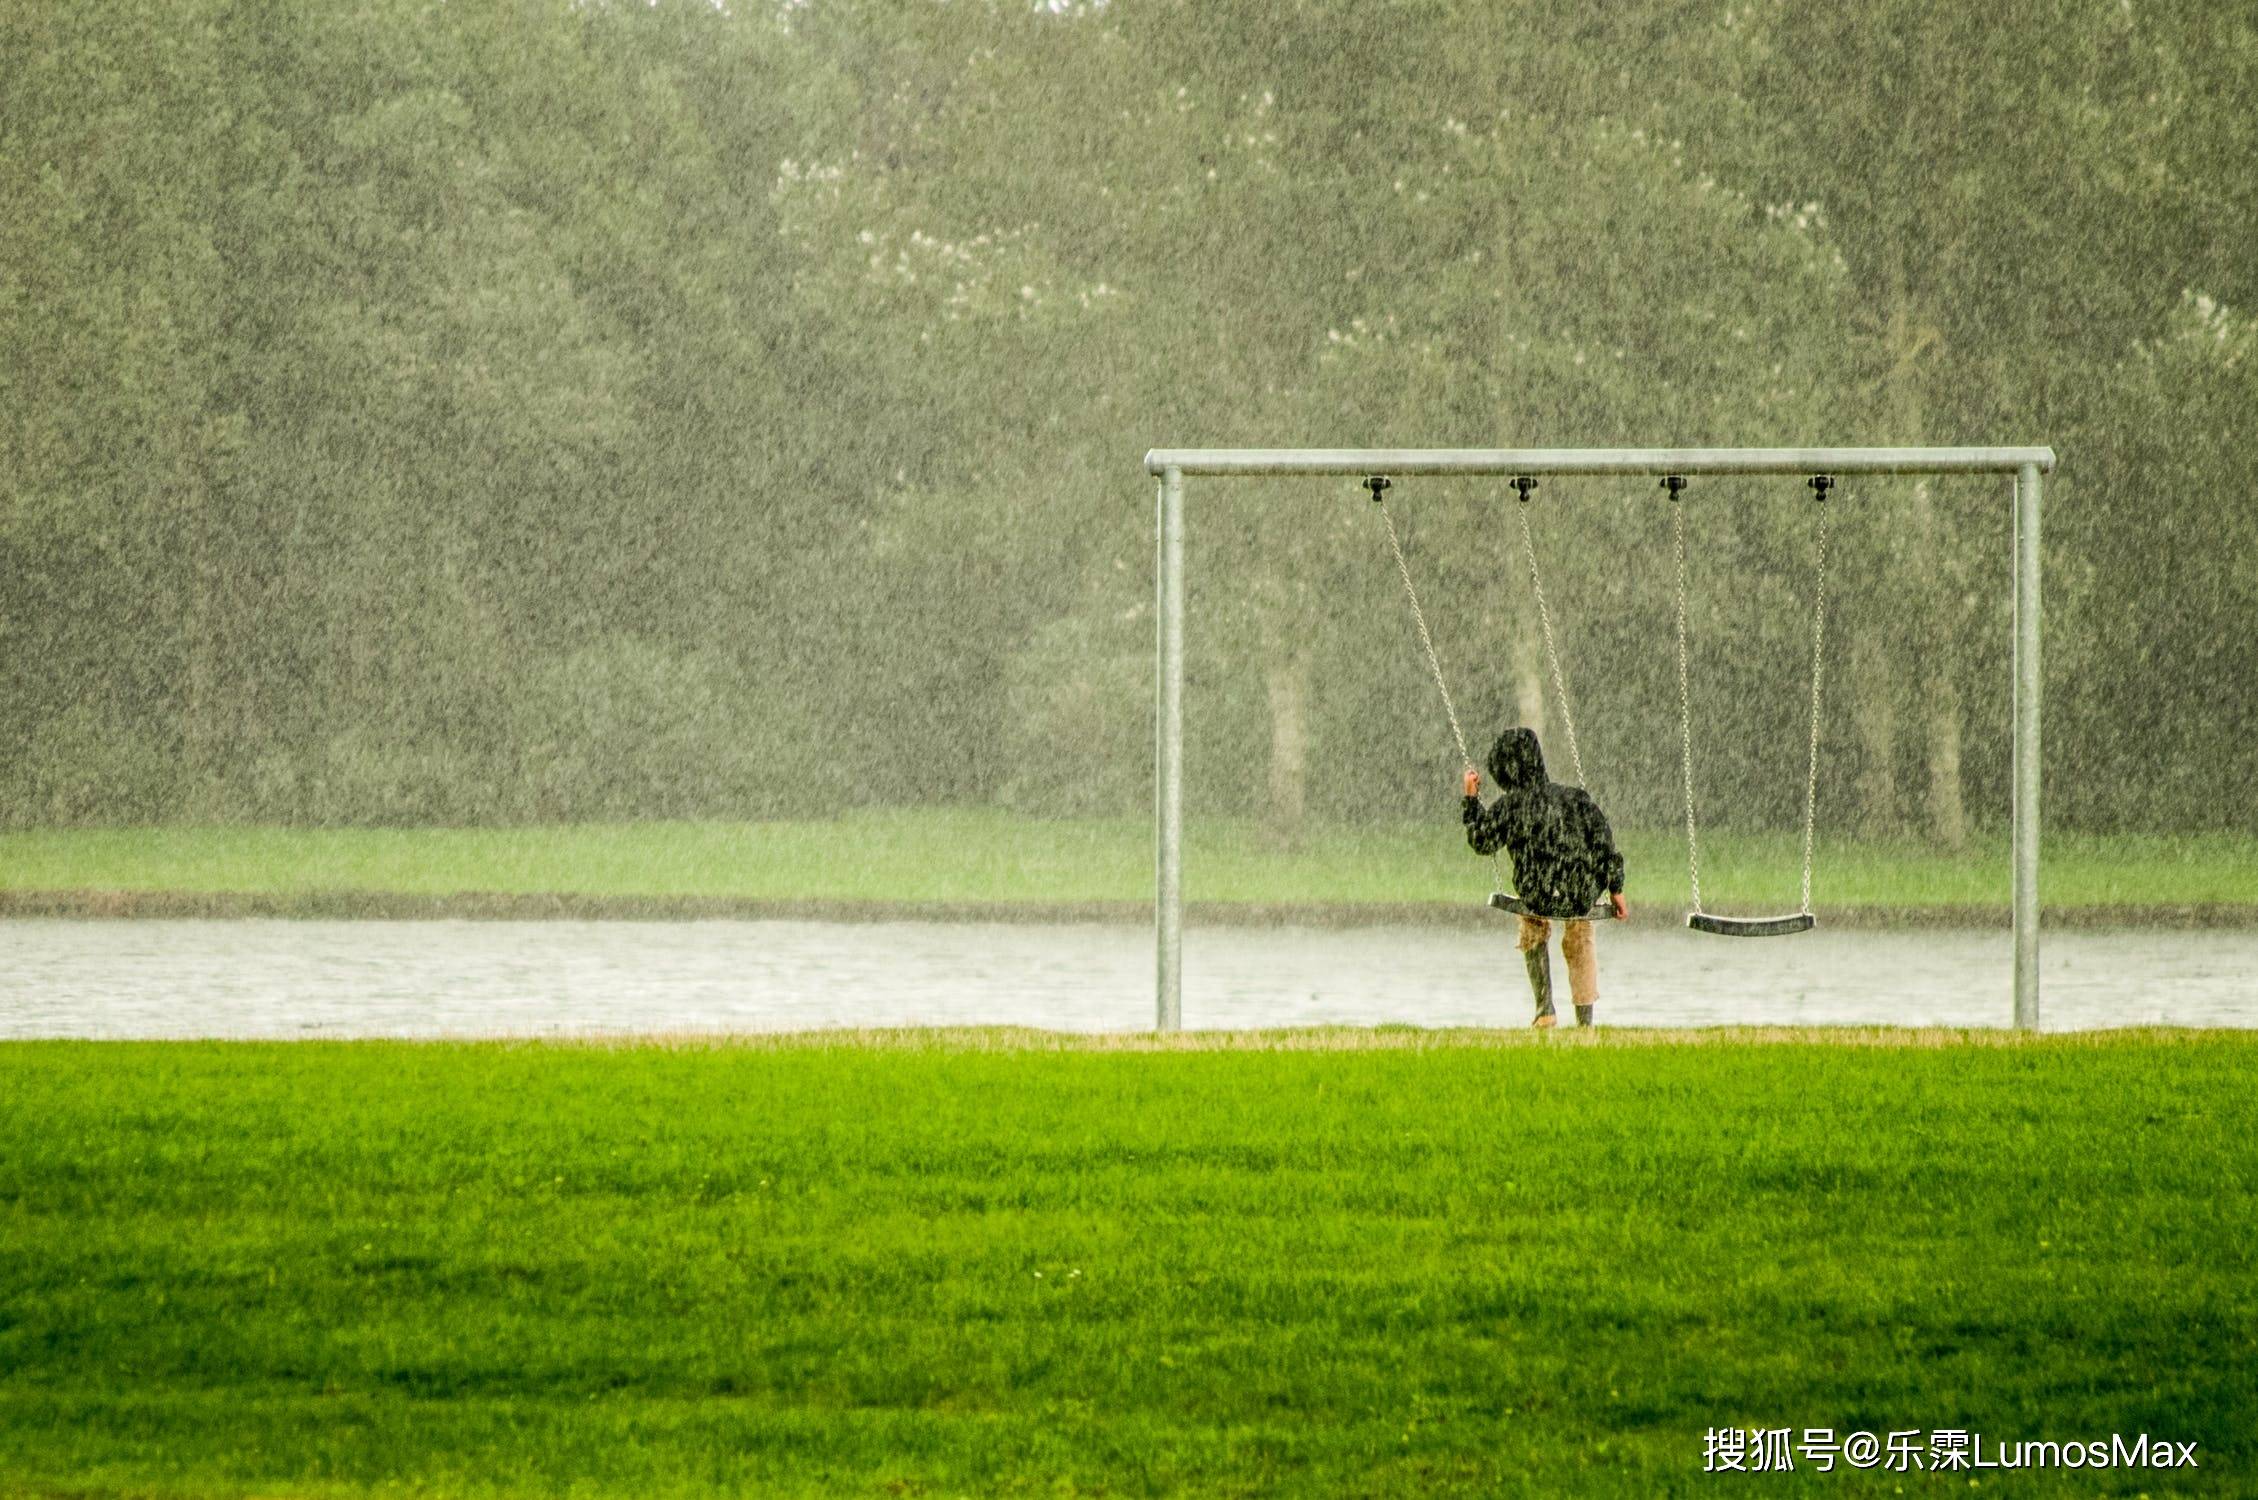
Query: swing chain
(1674, 484)
(1820, 484)
(1377, 484)
(1544, 618)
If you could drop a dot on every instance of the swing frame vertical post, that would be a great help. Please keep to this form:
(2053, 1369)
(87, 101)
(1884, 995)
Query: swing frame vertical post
(2026, 767)
(1168, 755)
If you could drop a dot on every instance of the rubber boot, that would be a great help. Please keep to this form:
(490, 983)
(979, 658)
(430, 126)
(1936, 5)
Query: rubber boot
(1539, 960)
(1584, 1016)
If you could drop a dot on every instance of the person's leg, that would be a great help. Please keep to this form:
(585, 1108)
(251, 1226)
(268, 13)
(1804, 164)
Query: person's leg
(1536, 953)
(1577, 947)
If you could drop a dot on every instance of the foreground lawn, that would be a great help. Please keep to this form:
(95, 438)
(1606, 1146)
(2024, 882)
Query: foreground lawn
(976, 1264)
(967, 856)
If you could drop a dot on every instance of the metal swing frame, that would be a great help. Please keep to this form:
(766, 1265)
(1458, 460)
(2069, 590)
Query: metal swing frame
(1171, 466)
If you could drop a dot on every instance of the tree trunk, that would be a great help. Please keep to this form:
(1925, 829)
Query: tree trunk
(1911, 337)
(1288, 680)
(1948, 823)
(200, 735)
(1944, 819)
(1528, 682)
(1873, 696)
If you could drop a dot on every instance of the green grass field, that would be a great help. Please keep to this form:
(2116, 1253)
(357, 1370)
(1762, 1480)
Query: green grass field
(1352, 1263)
(960, 856)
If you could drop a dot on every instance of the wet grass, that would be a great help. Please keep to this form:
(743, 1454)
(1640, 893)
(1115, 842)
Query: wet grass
(964, 856)
(987, 1263)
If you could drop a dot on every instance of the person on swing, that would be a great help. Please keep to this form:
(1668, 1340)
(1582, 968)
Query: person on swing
(1564, 857)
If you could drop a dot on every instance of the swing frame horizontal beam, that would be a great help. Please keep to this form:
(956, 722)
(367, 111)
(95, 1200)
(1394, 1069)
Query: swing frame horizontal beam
(1556, 461)
(1170, 466)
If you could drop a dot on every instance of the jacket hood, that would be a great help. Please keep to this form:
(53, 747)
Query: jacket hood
(1516, 763)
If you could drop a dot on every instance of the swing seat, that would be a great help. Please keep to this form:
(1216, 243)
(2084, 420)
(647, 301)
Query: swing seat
(1507, 901)
(1701, 921)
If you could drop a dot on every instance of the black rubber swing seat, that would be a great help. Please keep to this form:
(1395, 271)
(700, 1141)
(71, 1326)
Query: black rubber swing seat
(1507, 901)
(1701, 921)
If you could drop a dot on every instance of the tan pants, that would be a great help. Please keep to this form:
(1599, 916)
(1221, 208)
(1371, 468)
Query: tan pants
(1575, 946)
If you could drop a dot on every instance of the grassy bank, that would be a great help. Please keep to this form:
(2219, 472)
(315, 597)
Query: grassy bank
(973, 857)
(1349, 1263)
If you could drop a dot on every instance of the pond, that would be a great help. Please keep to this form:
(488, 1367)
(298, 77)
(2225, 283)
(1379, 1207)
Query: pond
(256, 978)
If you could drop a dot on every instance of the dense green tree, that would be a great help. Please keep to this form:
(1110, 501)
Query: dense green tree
(2009, 189)
(484, 413)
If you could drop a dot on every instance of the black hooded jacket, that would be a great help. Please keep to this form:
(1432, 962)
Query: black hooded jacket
(1564, 856)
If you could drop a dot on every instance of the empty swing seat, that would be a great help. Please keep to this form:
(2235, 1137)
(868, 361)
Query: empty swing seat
(1701, 921)
(1507, 901)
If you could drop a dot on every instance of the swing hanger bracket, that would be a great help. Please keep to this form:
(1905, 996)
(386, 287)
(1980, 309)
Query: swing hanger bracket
(1522, 485)
(1820, 484)
(1378, 485)
(1674, 484)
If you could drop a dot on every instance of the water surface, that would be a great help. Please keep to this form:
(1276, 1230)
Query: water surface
(299, 978)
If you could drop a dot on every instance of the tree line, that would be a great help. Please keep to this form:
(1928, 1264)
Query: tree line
(601, 411)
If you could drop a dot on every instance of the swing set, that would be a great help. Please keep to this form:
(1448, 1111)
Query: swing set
(1822, 469)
